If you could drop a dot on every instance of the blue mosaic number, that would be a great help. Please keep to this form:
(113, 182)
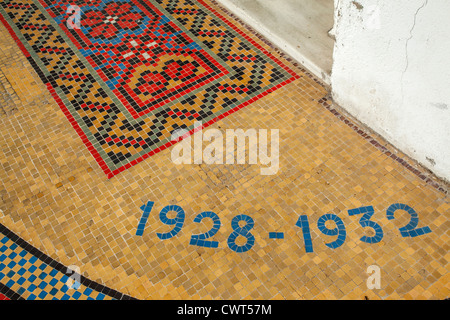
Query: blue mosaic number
(338, 231)
(199, 239)
(241, 231)
(303, 223)
(178, 221)
(410, 229)
(365, 222)
(147, 208)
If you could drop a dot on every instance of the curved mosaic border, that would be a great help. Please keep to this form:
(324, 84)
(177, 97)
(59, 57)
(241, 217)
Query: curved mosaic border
(26, 273)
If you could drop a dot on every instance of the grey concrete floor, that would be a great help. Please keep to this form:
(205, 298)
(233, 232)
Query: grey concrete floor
(299, 27)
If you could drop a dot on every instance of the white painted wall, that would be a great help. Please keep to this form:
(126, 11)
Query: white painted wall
(392, 71)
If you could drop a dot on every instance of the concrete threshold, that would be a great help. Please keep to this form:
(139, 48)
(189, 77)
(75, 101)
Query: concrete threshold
(298, 27)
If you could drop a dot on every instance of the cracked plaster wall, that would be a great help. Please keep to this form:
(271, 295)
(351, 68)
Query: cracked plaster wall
(391, 70)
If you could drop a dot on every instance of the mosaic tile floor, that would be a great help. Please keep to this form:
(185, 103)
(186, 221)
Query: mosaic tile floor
(135, 71)
(78, 103)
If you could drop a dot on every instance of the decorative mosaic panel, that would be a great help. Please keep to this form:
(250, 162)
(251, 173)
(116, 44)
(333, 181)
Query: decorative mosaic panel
(137, 70)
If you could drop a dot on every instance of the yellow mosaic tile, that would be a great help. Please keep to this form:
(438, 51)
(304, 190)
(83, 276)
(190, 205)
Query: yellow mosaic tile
(54, 195)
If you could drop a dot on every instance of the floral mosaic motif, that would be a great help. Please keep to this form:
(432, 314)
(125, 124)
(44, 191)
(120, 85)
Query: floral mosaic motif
(111, 19)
